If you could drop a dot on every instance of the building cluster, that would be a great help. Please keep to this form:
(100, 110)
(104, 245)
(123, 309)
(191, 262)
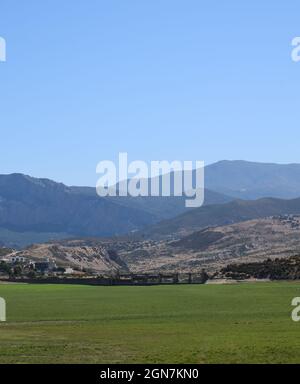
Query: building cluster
(44, 267)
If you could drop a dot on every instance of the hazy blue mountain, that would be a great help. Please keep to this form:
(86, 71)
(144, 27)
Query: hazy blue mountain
(160, 207)
(248, 180)
(42, 206)
(34, 209)
(37, 210)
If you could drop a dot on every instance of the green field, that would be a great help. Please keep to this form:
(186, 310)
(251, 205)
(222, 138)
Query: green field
(163, 324)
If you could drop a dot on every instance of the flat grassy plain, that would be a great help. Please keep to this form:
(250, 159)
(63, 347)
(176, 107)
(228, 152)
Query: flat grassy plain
(242, 323)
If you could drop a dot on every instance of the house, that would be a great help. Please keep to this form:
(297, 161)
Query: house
(46, 266)
(41, 266)
(18, 259)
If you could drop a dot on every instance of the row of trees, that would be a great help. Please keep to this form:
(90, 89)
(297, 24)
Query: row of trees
(276, 269)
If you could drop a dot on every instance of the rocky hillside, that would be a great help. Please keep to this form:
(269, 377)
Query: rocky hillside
(210, 248)
(90, 255)
(5, 251)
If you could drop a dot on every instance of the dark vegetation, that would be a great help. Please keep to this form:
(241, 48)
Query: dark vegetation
(277, 269)
(199, 241)
(5, 251)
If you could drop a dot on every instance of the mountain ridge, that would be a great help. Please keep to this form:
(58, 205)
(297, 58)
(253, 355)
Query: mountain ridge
(222, 214)
(35, 206)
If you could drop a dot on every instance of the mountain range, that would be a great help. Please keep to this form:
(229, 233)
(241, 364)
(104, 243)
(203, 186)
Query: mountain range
(37, 210)
(250, 180)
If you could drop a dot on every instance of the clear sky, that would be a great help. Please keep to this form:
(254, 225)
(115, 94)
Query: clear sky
(159, 79)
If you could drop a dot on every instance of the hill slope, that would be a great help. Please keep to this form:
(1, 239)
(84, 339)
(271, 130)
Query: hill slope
(222, 214)
(89, 254)
(43, 206)
(212, 248)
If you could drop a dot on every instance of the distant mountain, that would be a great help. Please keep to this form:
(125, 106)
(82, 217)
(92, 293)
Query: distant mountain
(36, 210)
(222, 214)
(248, 180)
(159, 207)
(245, 180)
(42, 206)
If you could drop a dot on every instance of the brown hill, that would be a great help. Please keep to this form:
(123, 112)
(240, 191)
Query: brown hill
(210, 248)
(90, 255)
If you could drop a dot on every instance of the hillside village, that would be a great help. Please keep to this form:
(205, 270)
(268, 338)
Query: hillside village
(13, 265)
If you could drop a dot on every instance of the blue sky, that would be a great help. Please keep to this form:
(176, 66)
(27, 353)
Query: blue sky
(186, 80)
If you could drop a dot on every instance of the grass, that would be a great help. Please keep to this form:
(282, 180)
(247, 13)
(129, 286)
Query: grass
(246, 323)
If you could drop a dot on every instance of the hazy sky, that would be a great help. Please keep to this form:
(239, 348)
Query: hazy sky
(159, 79)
